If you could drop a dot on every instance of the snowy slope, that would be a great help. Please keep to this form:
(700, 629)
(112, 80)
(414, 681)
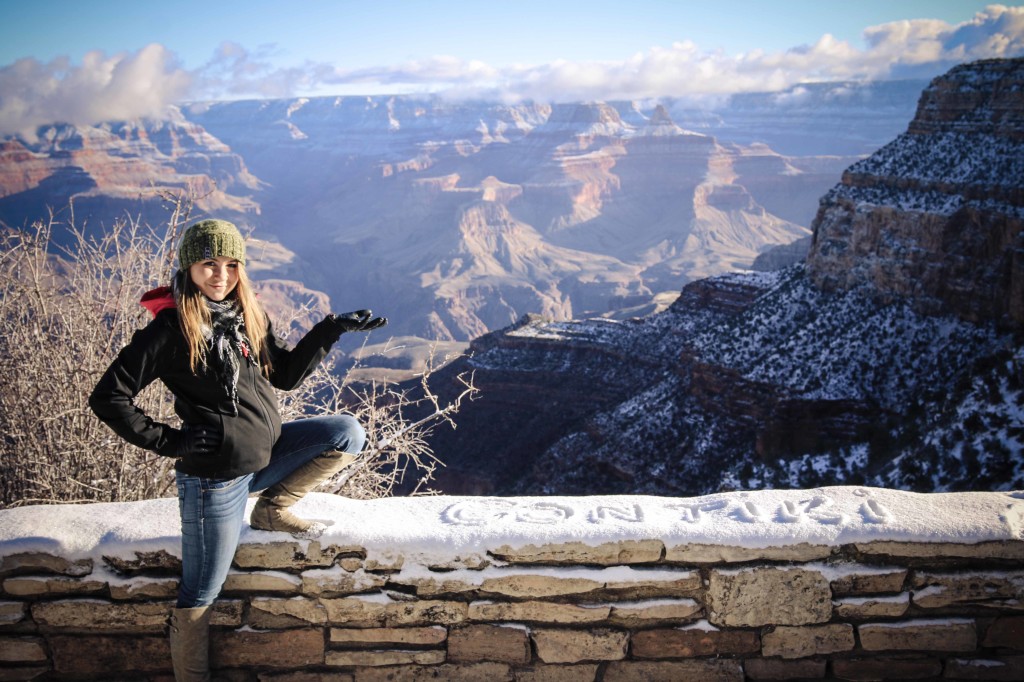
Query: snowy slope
(689, 401)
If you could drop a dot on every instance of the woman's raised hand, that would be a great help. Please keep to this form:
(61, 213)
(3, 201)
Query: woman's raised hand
(357, 321)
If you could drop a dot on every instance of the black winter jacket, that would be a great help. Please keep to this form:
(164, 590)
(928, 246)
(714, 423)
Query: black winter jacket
(158, 351)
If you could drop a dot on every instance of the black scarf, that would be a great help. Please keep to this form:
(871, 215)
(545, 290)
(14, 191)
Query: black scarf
(228, 345)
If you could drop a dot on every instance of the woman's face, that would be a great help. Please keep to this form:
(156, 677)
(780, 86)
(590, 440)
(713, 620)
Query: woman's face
(215, 277)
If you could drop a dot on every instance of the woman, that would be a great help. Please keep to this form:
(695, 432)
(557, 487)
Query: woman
(211, 344)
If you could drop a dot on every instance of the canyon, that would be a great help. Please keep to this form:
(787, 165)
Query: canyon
(891, 357)
(456, 218)
(593, 259)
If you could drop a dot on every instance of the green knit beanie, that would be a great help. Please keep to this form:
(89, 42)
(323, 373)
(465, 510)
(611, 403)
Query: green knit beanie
(209, 239)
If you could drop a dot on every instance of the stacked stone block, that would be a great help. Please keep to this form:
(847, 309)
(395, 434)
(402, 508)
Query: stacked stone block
(631, 610)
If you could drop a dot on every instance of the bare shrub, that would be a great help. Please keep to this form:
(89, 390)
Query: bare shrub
(66, 312)
(396, 446)
(67, 308)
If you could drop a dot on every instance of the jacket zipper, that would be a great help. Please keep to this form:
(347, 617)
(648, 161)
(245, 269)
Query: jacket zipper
(263, 406)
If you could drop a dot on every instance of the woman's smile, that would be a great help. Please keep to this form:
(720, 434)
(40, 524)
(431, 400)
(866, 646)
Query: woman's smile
(215, 277)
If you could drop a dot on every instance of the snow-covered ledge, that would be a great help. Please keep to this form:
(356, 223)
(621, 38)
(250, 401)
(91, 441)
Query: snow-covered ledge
(842, 582)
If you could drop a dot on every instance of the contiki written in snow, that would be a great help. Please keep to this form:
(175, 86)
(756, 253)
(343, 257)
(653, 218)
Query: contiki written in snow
(433, 529)
(836, 582)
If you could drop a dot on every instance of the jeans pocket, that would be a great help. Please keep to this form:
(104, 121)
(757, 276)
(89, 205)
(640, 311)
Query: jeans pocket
(221, 484)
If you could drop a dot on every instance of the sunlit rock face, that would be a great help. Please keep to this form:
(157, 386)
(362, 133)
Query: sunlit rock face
(460, 217)
(935, 216)
(99, 174)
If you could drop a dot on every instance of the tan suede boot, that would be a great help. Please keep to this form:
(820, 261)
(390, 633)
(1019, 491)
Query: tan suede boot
(271, 511)
(190, 644)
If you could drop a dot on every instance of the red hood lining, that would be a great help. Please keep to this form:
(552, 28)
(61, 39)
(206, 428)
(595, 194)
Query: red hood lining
(158, 299)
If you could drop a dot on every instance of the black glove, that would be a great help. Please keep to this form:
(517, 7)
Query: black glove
(358, 321)
(199, 439)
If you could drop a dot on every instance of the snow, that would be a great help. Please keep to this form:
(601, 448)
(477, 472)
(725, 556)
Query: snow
(833, 572)
(648, 603)
(614, 574)
(702, 625)
(980, 663)
(861, 601)
(924, 622)
(437, 528)
(280, 575)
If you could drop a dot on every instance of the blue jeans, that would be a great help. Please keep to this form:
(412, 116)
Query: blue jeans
(213, 510)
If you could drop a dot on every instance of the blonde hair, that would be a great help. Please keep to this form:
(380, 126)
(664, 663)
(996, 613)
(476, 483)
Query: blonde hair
(194, 316)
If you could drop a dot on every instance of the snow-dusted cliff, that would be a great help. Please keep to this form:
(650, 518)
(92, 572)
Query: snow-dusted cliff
(936, 216)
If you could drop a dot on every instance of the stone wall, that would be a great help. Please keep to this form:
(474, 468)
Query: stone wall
(632, 609)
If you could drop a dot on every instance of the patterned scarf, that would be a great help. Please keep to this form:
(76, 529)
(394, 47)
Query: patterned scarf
(228, 344)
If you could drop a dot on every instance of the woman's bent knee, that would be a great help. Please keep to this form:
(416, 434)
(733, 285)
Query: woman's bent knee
(349, 434)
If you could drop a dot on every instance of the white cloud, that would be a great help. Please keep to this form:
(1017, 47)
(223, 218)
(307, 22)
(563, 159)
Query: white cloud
(912, 48)
(440, 69)
(142, 84)
(234, 71)
(997, 31)
(101, 88)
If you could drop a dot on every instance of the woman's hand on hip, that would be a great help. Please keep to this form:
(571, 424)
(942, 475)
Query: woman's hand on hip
(199, 439)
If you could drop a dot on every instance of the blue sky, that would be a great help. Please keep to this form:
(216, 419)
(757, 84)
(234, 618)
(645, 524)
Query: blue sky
(365, 34)
(84, 61)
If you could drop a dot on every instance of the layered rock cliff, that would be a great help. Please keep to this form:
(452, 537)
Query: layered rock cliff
(109, 170)
(892, 356)
(936, 216)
